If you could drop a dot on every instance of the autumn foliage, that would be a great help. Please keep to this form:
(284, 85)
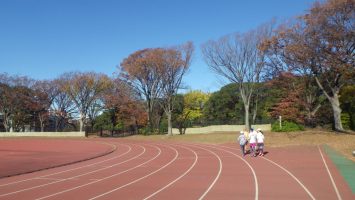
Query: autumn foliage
(320, 43)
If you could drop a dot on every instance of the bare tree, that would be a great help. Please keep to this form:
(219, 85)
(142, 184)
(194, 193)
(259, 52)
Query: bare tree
(84, 89)
(141, 70)
(62, 107)
(237, 58)
(94, 110)
(176, 62)
(45, 93)
(6, 105)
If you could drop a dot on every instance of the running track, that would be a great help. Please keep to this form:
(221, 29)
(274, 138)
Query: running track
(166, 170)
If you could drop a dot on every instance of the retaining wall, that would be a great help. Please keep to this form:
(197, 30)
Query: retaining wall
(42, 134)
(221, 128)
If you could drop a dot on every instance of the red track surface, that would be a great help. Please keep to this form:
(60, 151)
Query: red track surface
(20, 156)
(157, 170)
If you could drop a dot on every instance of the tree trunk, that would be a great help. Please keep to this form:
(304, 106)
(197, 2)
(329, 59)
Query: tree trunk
(247, 125)
(246, 102)
(6, 125)
(56, 124)
(170, 132)
(42, 127)
(6, 122)
(41, 122)
(81, 124)
(180, 130)
(150, 115)
(135, 125)
(149, 118)
(334, 101)
(10, 126)
(255, 111)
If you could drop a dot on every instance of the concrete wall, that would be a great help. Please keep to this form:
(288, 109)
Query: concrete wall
(42, 134)
(221, 128)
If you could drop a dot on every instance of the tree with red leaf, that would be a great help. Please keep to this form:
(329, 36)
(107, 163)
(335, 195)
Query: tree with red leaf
(322, 43)
(290, 104)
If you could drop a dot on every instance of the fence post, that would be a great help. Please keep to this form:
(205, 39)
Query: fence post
(280, 121)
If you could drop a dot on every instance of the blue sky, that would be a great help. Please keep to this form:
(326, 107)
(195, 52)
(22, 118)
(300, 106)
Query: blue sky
(45, 38)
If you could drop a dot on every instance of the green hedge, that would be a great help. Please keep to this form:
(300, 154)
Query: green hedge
(286, 126)
(346, 121)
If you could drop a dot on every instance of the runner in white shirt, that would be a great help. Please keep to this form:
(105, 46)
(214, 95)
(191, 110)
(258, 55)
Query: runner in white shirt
(260, 140)
(252, 141)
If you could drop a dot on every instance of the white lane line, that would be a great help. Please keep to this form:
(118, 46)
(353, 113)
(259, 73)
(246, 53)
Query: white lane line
(107, 177)
(289, 173)
(72, 169)
(70, 178)
(132, 182)
(177, 179)
(251, 168)
(330, 175)
(44, 178)
(215, 180)
(294, 177)
(219, 171)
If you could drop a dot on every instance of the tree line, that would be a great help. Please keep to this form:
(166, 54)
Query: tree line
(318, 46)
(302, 70)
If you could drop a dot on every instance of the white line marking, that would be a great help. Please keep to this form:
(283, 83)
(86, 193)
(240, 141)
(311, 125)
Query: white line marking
(294, 177)
(94, 179)
(60, 172)
(107, 177)
(44, 178)
(251, 168)
(181, 176)
(70, 178)
(330, 175)
(130, 183)
(217, 177)
(289, 173)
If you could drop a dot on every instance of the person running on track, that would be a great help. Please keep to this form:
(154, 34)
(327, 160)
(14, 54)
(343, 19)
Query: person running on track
(242, 142)
(246, 134)
(260, 139)
(252, 142)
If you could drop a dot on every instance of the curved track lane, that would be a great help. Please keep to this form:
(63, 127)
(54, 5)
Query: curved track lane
(167, 170)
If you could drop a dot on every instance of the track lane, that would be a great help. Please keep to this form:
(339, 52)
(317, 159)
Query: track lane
(305, 163)
(342, 186)
(66, 180)
(154, 179)
(201, 171)
(113, 177)
(305, 167)
(178, 178)
(198, 180)
(54, 171)
(239, 180)
(53, 178)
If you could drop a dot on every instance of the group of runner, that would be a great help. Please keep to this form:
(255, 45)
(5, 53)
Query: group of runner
(255, 139)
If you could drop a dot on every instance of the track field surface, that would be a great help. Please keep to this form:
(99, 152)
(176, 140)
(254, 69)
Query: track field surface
(133, 169)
